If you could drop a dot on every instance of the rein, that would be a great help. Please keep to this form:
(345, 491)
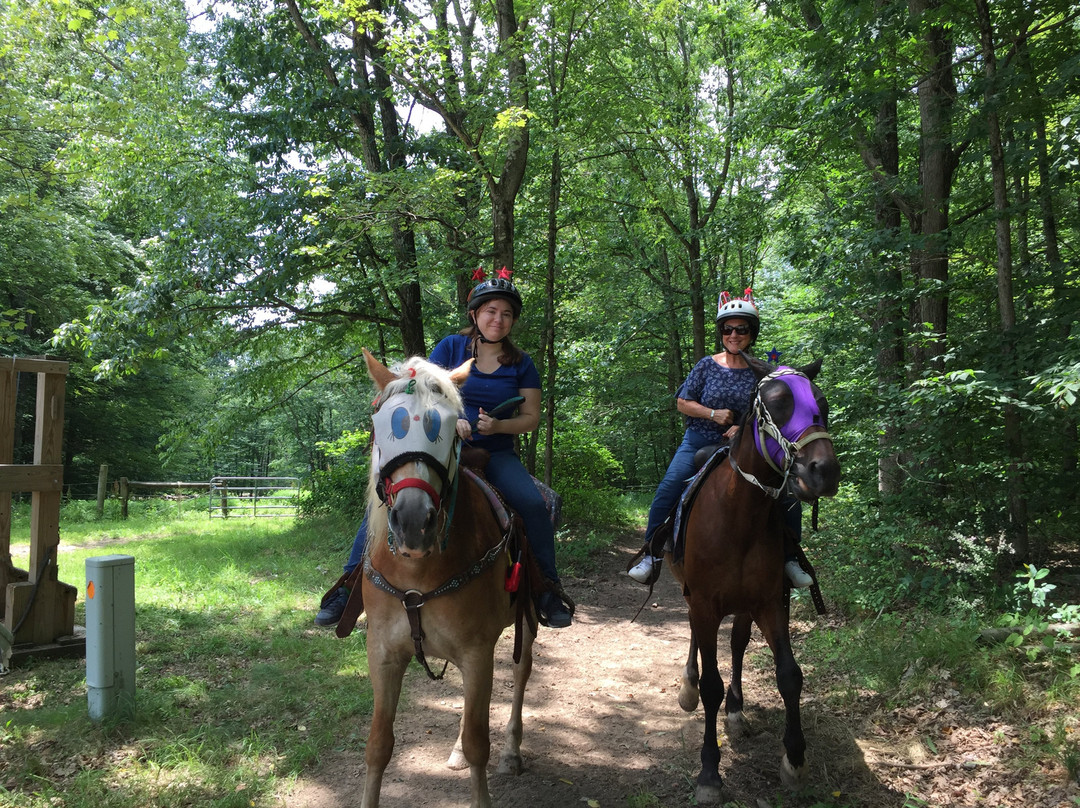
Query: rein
(766, 428)
(413, 599)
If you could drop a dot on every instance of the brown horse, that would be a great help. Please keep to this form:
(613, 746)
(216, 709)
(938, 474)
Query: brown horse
(435, 546)
(734, 556)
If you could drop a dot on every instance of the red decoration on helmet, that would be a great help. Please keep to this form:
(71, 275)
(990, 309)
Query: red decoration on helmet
(505, 273)
(479, 274)
(742, 307)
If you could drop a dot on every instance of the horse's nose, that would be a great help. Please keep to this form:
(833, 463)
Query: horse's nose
(414, 524)
(825, 473)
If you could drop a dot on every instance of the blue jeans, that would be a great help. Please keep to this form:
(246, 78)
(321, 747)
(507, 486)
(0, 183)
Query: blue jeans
(504, 471)
(679, 472)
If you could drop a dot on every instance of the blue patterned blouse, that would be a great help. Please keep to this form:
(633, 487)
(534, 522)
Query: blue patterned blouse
(718, 388)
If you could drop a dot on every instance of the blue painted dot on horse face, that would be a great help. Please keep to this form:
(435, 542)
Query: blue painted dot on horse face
(733, 558)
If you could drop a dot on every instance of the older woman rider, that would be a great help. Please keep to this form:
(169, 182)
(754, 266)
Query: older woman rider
(713, 398)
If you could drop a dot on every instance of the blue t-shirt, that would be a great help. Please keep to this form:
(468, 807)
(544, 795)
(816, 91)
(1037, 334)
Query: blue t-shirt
(487, 390)
(718, 388)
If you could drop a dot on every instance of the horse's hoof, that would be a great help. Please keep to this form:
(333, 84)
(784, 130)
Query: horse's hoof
(511, 764)
(736, 725)
(688, 697)
(707, 794)
(791, 777)
(457, 761)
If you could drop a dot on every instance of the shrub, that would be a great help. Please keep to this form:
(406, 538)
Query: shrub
(340, 490)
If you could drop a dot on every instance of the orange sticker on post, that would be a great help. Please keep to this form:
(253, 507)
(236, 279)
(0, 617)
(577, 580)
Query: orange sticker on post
(90, 591)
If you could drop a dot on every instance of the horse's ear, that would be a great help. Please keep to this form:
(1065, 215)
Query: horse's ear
(379, 373)
(761, 369)
(461, 372)
(812, 370)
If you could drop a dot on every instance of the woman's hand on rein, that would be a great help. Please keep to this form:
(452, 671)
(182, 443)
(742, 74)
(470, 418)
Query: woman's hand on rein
(464, 429)
(485, 424)
(723, 417)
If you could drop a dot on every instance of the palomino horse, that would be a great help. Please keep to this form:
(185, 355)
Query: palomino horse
(436, 547)
(734, 555)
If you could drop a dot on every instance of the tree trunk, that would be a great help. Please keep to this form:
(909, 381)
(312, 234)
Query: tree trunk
(548, 341)
(1057, 268)
(369, 47)
(937, 94)
(504, 191)
(1018, 527)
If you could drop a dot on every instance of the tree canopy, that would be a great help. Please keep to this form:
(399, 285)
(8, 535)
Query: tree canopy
(245, 194)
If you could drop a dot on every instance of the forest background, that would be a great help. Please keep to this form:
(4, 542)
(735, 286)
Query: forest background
(210, 208)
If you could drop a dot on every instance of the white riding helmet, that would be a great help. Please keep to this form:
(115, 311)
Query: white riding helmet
(742, 307)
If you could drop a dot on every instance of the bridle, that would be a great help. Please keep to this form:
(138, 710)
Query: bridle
(765, 429)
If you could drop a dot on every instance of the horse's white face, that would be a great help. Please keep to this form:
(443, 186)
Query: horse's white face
(415, 457)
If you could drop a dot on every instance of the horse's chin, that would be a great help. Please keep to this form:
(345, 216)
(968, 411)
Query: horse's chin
(413, 553)
(808, 493)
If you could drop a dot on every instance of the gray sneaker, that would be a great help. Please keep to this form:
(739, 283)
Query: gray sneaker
(798, 577)
(332, 608)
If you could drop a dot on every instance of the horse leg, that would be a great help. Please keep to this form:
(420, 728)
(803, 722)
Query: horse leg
(709, 781)
(789, 681)
(386, 677)
(510, 761)
(474, 741)
(733, 704)
(688, 693)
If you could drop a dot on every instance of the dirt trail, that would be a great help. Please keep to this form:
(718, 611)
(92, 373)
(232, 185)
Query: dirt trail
(602, 724)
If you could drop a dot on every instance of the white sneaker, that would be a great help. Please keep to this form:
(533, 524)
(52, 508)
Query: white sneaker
(642, 571)
(798, 577)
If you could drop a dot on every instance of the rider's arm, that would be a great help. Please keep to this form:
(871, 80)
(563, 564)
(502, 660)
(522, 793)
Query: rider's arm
(695, 409)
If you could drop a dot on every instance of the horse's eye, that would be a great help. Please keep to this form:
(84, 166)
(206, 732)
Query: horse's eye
(399, 422)
(432, 425)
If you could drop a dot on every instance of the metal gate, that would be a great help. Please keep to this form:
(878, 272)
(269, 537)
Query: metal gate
(254, 496)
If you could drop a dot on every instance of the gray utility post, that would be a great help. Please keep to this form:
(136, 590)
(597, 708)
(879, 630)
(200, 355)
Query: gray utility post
(110, 636)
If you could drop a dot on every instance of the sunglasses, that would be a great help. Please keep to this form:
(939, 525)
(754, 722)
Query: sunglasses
(741, 330)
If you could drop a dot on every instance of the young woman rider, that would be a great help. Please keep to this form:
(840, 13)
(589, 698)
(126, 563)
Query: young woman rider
(500, 371)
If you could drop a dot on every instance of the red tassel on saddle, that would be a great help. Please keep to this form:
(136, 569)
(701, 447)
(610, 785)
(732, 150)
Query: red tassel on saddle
(513, 577)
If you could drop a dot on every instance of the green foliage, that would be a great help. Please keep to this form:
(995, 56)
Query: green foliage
(340, 490)
(888, 557)
(586, 474)
(1061, 381)
(1032, 595)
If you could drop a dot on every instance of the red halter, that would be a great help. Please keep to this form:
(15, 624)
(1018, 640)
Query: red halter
(390, 488)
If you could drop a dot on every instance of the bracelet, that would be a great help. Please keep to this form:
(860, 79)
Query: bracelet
(711, 414)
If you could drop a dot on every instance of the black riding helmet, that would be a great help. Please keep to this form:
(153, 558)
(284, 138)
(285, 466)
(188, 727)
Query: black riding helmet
(499, 286)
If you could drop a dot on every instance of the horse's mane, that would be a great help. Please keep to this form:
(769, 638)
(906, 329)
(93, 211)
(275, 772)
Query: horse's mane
(433, 385)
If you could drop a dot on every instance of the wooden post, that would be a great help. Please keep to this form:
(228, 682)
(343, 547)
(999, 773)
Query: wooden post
(123, 497)
(42, 609)
(102, 484)
(9, 573)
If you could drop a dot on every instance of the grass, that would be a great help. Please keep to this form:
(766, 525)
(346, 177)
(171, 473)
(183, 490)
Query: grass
(237, 691)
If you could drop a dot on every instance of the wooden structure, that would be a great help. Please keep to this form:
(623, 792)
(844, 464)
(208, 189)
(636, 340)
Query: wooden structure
(35, 605)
